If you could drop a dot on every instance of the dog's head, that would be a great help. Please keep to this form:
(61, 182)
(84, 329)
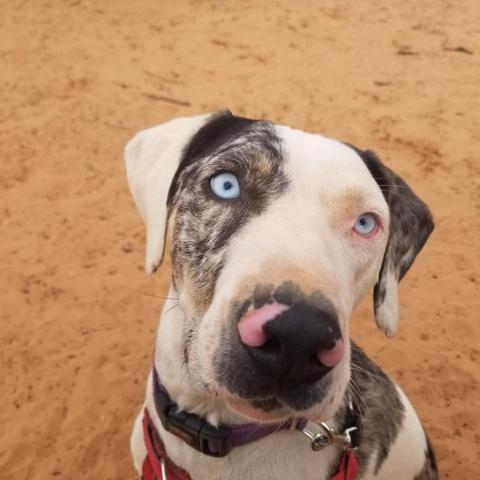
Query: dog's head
(275, 235)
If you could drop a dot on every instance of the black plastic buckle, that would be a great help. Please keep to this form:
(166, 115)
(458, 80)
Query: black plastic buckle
(198, 433)
(192, 429)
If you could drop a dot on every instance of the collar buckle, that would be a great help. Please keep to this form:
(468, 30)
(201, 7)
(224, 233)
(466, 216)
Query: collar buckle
(197, 432)
(192, 429)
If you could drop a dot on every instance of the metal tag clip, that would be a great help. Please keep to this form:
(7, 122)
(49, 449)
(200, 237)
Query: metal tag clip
(163, 467)
(328, 436)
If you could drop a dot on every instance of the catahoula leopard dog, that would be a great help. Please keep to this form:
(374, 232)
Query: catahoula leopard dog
(274, 236)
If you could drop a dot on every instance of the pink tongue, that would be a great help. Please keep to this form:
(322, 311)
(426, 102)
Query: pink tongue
(332, 357)
(251, 325)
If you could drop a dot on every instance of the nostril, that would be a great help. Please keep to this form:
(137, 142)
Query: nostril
(333, 356)
(272, 345)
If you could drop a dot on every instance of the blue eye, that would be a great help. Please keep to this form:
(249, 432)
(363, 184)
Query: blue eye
(225, 185)
(366, 224)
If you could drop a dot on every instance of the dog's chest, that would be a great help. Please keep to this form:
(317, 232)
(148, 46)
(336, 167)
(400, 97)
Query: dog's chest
(280, 457)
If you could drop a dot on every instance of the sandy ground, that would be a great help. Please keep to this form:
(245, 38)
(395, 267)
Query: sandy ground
(79, 77)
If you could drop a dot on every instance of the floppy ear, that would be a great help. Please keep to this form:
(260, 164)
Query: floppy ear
(411, 224)
(151, 159)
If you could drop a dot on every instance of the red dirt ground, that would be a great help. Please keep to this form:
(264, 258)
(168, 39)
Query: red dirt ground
(80, 77)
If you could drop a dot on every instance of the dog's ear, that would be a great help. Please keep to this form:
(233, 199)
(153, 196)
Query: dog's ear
(411, 224)
(151, 159)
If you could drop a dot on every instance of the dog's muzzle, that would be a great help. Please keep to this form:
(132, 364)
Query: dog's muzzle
(281, 352)
(293, 345)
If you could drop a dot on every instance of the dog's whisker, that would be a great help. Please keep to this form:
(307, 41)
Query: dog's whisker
(366, 372)
(151, 294)
(357, 399)
(176, 305)
(393, 185)
(356, 393)
(383, 178)
(384, 187)
(362, 370)
(389, 192)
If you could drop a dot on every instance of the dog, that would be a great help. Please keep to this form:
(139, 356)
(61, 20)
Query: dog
(274, 235)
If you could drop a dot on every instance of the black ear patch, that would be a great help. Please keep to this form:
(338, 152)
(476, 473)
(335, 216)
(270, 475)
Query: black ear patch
(411, 224)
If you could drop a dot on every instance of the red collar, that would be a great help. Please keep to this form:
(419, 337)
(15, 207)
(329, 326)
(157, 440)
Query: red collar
(158, 466)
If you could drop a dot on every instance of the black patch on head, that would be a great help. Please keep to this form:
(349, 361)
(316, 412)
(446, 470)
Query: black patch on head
(220, 130)
(204, 223)
(411, 222)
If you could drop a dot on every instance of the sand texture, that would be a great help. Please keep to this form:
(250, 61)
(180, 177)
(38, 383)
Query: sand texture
(79, 77)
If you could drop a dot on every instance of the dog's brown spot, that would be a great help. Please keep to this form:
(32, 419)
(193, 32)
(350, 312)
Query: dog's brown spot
(262, 166)
(344, 206)
(273, 276)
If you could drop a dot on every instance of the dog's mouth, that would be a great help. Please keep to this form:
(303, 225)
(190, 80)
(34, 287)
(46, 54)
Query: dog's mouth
(282, 404)
(260, 410)
(267, 404)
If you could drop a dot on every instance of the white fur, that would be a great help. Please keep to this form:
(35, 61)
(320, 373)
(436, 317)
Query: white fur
(407, 454)
(137, 444)
(387, 314)
(151, 159)
(304, 230)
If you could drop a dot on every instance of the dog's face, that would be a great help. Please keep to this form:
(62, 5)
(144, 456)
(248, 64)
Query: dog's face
(275, 235)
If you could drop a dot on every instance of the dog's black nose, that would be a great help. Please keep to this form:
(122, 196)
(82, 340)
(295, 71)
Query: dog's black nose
(297, 345)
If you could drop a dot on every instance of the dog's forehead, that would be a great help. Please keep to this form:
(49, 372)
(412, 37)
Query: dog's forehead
(321, 160)
(309, 161)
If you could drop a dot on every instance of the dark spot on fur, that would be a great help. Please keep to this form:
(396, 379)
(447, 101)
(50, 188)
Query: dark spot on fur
(242, 309)
(266, 405)
(262, 295)
(188, 337)
(381, 407)
(287, 293)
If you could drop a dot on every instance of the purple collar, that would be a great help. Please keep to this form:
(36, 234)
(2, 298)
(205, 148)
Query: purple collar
(202, 435)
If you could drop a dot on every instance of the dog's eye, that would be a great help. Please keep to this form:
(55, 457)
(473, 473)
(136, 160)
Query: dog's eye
(366, 225)
(225, 185)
